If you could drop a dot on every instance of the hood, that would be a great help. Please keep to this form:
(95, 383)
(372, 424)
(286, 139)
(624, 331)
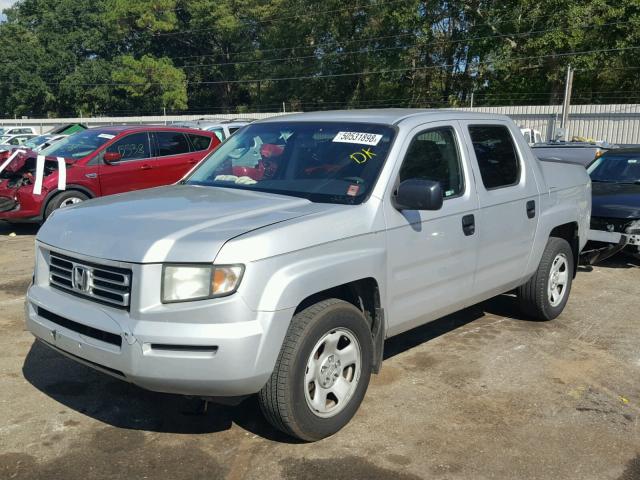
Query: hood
(179, 223)
(615, 200)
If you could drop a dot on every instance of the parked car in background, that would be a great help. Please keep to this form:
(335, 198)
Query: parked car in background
(616, 195)
(531, 135)
(282, 274)
(98, 162)
(15, 140)
(582, 153)
(41, 142)
(222, 128)
(16, 130)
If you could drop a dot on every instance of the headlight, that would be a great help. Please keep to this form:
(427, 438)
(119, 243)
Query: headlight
(181, 283)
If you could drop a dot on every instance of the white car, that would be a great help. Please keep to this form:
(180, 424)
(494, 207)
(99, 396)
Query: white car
(532, 135)
(41, 142)
(222, 128)
(13, 130)
(15, 140)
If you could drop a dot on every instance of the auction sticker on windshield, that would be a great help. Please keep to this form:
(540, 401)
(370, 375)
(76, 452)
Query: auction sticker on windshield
(358, 137)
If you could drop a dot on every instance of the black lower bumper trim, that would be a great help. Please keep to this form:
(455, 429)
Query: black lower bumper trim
(101, 335)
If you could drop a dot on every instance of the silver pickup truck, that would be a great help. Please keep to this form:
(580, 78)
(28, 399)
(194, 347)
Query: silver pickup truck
(281, 263)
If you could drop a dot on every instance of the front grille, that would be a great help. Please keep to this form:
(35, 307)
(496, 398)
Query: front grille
(6, 204)
(610, 224)
(100, 283)
(85, 330)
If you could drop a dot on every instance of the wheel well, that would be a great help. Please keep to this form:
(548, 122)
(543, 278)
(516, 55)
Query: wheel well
(55, 193)
(364, 294)
(569, 232)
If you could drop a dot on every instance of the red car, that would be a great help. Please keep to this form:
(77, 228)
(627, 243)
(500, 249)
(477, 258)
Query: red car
(100, 161)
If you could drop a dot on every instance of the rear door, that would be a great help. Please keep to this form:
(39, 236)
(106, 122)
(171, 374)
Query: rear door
(133, 171)
(174, 156)
(509, 206)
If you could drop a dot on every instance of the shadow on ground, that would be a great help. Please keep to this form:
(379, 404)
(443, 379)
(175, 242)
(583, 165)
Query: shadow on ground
(18, 228)
(123, 405)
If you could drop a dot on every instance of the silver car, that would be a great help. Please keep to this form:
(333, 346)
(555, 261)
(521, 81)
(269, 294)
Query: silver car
(282, 262)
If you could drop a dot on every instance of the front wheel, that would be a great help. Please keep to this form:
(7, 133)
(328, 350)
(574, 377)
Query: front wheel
(322, 371)
(64, 199)
(545, 295)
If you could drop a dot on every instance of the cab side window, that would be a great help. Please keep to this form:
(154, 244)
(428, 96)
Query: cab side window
(171, 143)
(434, 155)
(496, 154)
(132, 147)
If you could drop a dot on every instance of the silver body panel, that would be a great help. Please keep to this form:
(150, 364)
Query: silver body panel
(424, 265)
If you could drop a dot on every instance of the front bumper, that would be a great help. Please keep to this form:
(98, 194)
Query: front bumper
(21, 204)
(164, 354)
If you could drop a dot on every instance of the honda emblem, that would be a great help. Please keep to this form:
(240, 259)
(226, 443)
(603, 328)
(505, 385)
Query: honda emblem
(81, 279)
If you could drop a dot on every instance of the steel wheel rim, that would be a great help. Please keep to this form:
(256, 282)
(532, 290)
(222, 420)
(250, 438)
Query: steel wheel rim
(332, 372)
(558, 279)
(67, 202)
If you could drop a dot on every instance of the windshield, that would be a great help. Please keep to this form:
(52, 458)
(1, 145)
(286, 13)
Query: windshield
(323, 162)
(78, 145)
(616, 167)
(36, 141)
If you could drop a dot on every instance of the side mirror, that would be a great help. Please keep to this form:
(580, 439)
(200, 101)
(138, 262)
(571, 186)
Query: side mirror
(110, 157)
(417, 194)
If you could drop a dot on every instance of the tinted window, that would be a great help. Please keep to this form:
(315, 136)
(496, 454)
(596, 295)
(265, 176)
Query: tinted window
(433, 155)
(199, 142)
(171, 143)
(233, 130)
(616, 168)
(22, 130)
(496, 155)
(132, 147)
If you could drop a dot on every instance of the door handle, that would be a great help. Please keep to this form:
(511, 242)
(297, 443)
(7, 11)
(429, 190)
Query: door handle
(145, 166)
(469, 225)
(531, 208)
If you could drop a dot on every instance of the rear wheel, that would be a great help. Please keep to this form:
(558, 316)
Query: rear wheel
(64, 199)
(545, 295)
(322, 372)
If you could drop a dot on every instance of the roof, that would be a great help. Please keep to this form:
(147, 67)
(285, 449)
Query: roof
(385, 116)
(116, 129)
(625, 150)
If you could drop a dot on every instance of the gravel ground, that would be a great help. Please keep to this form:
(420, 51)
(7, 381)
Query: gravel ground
(480, 394)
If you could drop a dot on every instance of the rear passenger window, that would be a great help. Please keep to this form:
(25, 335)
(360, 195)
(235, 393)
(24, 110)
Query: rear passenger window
(199, 142)
(496, 155)
(171, 143)
(433, 155)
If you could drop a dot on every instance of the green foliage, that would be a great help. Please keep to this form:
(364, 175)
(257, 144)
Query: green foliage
(63, 57)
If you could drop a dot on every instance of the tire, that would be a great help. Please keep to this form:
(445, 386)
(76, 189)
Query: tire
(64, 199)
(541, 298)
(290, 397)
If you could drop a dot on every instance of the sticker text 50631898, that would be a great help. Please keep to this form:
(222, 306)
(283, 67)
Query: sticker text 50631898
(361, 138)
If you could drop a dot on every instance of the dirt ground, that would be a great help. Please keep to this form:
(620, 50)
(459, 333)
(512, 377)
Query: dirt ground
(482, 394)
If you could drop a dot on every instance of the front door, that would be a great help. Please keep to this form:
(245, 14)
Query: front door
(431, 254)
(134, 169)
